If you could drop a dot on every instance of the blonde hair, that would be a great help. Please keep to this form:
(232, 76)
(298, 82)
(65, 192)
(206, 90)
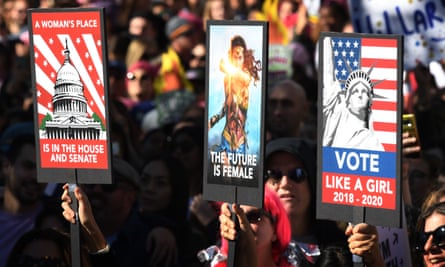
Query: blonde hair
(434, 197)
(206, 14)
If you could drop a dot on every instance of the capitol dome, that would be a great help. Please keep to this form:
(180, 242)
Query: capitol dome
(71, 119)
(67, 72)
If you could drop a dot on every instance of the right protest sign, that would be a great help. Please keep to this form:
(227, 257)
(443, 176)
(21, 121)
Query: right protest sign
(358, 143)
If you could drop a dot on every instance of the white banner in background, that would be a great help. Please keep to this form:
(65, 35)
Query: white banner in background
(421, 22)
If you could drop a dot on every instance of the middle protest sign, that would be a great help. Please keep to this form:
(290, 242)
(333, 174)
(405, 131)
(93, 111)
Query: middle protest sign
(235, 91)
(358, 147)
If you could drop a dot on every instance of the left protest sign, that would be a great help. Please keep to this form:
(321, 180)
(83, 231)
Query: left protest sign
(68, 60)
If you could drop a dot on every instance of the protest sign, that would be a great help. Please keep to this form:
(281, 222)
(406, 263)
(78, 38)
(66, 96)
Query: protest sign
(68, 59)
(235, 91)
(394, 246)
(422, 23)
(358, 148)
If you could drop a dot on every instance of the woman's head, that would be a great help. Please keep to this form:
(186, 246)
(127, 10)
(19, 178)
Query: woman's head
(164, 188)
(140, 81)
(290, 171)
(214, 10)
(43, 247)
(270, 226)
(243, 58)
(434, 197)
(431, 234)
(237, 50)
(359, 92)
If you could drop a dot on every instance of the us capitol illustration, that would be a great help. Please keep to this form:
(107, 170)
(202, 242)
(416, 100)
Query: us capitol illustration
(70, 116)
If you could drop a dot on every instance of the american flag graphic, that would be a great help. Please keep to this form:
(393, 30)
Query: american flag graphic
(85, 47)
(352, 53)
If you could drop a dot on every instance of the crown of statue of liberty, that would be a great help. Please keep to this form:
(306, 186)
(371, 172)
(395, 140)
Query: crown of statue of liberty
(360, 76)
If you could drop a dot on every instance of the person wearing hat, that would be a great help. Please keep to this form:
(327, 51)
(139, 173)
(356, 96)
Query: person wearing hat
(139, 82)
(174, 61)
(290, 165)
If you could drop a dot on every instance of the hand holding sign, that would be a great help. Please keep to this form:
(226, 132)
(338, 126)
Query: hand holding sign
(363, 241)
(94, 238)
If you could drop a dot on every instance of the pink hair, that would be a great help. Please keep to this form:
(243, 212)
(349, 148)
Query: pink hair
(272, 204)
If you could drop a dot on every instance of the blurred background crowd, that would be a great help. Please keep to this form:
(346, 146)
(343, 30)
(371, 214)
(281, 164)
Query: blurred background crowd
(156, 68)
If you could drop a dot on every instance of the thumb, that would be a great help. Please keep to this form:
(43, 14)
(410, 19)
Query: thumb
(348, 230)
(79, 195)
(365, 228)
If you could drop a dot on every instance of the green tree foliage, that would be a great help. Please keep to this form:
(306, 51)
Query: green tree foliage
(97, 118)
(47, 117)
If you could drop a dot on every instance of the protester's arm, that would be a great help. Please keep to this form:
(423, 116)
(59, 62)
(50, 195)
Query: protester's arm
(246, 248)
(363, 241)
(94, 239)
(409, 146)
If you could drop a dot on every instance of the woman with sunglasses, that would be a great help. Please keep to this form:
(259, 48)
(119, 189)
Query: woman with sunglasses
(431, 235)
(290, 172)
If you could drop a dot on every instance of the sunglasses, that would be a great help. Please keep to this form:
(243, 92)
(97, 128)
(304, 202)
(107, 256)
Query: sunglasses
(297, 175)
(255, 216)
(26, 261)
(438, 239)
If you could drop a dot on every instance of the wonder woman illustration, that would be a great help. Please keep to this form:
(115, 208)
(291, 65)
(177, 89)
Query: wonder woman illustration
(240, 69)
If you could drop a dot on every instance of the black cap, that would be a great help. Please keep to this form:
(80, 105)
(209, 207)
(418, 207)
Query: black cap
(303, 149)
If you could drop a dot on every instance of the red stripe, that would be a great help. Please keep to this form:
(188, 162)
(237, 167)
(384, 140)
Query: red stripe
(385, 84)
(81, 48)
(390, 147)
(379, 42)
(384, 126)
(384, 105)
(379, 63)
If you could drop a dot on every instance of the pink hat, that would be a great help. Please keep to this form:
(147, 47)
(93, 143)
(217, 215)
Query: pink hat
(151, 69)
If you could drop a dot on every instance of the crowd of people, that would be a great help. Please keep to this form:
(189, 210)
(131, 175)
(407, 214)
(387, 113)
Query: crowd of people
(154, 214)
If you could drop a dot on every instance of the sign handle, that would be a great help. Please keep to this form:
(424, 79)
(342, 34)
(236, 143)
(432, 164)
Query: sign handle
(231, 253)
(74, 228)
(358, 216)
